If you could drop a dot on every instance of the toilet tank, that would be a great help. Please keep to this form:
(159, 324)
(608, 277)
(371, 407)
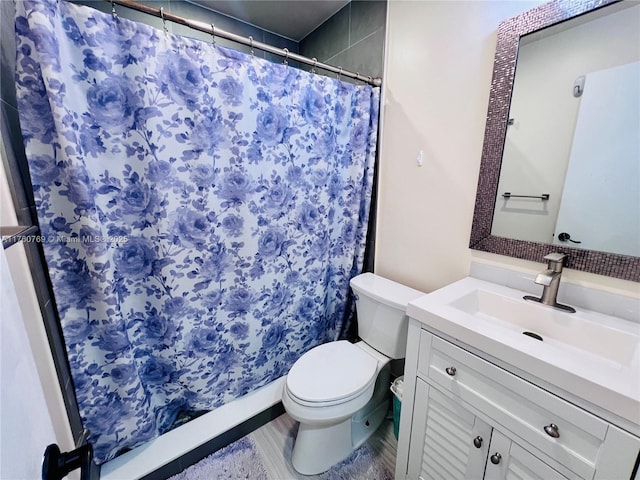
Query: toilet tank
(381, 305)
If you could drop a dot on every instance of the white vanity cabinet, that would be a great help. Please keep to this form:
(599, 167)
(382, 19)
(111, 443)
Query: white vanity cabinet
(507, 459)
(464, 417)
(443, 436)
(456, 444)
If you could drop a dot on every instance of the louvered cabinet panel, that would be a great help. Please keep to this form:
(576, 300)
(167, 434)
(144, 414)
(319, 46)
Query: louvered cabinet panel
(454, 441)
(524, 431)
(509, 461)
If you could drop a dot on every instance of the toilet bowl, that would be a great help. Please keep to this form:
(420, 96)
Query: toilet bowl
(339, 391)
(329, 429)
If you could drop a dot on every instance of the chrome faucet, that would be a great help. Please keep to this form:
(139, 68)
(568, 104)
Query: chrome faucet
(550, 280)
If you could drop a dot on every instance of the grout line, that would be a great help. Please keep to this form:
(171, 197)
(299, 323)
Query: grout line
(349, 29)
(330, 59)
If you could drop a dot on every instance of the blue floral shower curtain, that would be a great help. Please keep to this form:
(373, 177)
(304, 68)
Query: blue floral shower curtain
(201, 210)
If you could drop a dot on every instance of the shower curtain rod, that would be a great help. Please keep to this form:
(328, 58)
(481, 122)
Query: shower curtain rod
(217, 32)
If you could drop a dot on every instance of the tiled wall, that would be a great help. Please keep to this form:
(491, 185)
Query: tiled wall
(10, 126)
(353, 38)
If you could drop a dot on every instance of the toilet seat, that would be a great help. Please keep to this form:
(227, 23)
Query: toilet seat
(331, 374)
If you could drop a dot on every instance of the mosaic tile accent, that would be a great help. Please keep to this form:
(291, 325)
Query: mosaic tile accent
(509, 33)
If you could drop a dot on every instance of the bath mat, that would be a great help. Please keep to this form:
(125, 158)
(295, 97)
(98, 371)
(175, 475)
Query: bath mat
(239, 460)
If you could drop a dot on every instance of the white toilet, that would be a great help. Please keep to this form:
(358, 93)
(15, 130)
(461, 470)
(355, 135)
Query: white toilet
(339, 391)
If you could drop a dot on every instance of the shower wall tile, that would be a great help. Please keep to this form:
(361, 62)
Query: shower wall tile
(280, 42)
(75, 421)
(353, 38)
(367, 16)
(39, 275)
(330, 38)
(57, 344)
(365, 57)
(7, 54)
(16, 162)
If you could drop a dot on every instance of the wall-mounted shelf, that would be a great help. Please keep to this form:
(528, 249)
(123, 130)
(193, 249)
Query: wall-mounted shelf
(12, 235)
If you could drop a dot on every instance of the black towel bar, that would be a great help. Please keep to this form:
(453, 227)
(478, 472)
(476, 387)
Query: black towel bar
(543, 197)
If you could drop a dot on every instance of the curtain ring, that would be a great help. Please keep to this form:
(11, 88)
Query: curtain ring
(114, 14)
(251, 45)
(213, 34)
(339, 73)
(164, 20)
(286, 56)
(370, 80)
(315, 62)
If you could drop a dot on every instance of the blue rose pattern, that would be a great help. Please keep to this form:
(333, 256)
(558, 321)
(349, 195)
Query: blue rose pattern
(204, 212)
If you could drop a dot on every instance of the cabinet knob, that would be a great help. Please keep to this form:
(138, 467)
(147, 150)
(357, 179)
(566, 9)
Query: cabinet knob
(477, 442)
(450, 371)
(552, 430)
(495, 458)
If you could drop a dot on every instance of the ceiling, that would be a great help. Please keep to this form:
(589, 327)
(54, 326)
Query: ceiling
(293, 19)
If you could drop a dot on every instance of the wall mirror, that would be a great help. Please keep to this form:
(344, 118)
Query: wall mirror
(561, 155)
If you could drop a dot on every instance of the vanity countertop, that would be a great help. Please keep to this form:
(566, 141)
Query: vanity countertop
(593, 356)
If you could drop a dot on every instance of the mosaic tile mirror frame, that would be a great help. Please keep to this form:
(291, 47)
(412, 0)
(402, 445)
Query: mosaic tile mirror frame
(509, 33)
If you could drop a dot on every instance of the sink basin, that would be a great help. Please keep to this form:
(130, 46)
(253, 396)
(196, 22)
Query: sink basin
(554, 326)
(594, 356)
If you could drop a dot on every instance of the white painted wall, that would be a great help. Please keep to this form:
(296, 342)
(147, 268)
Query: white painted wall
(25, 425)
(436, 92)
(32, 411)
(538, 144)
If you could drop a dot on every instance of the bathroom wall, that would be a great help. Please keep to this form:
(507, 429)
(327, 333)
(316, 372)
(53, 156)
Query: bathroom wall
(26, 427)
(32, 409)
(353, 38)
(439, 64)
(439, 61)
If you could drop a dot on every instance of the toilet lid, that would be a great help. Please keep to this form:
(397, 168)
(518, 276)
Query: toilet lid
(330, 372)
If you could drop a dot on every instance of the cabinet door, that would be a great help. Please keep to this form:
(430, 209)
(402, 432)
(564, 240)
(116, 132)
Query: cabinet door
(508, 460)
(619, 457)
(447, 441)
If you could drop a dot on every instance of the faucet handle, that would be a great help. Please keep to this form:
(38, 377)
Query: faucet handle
(555, 261)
